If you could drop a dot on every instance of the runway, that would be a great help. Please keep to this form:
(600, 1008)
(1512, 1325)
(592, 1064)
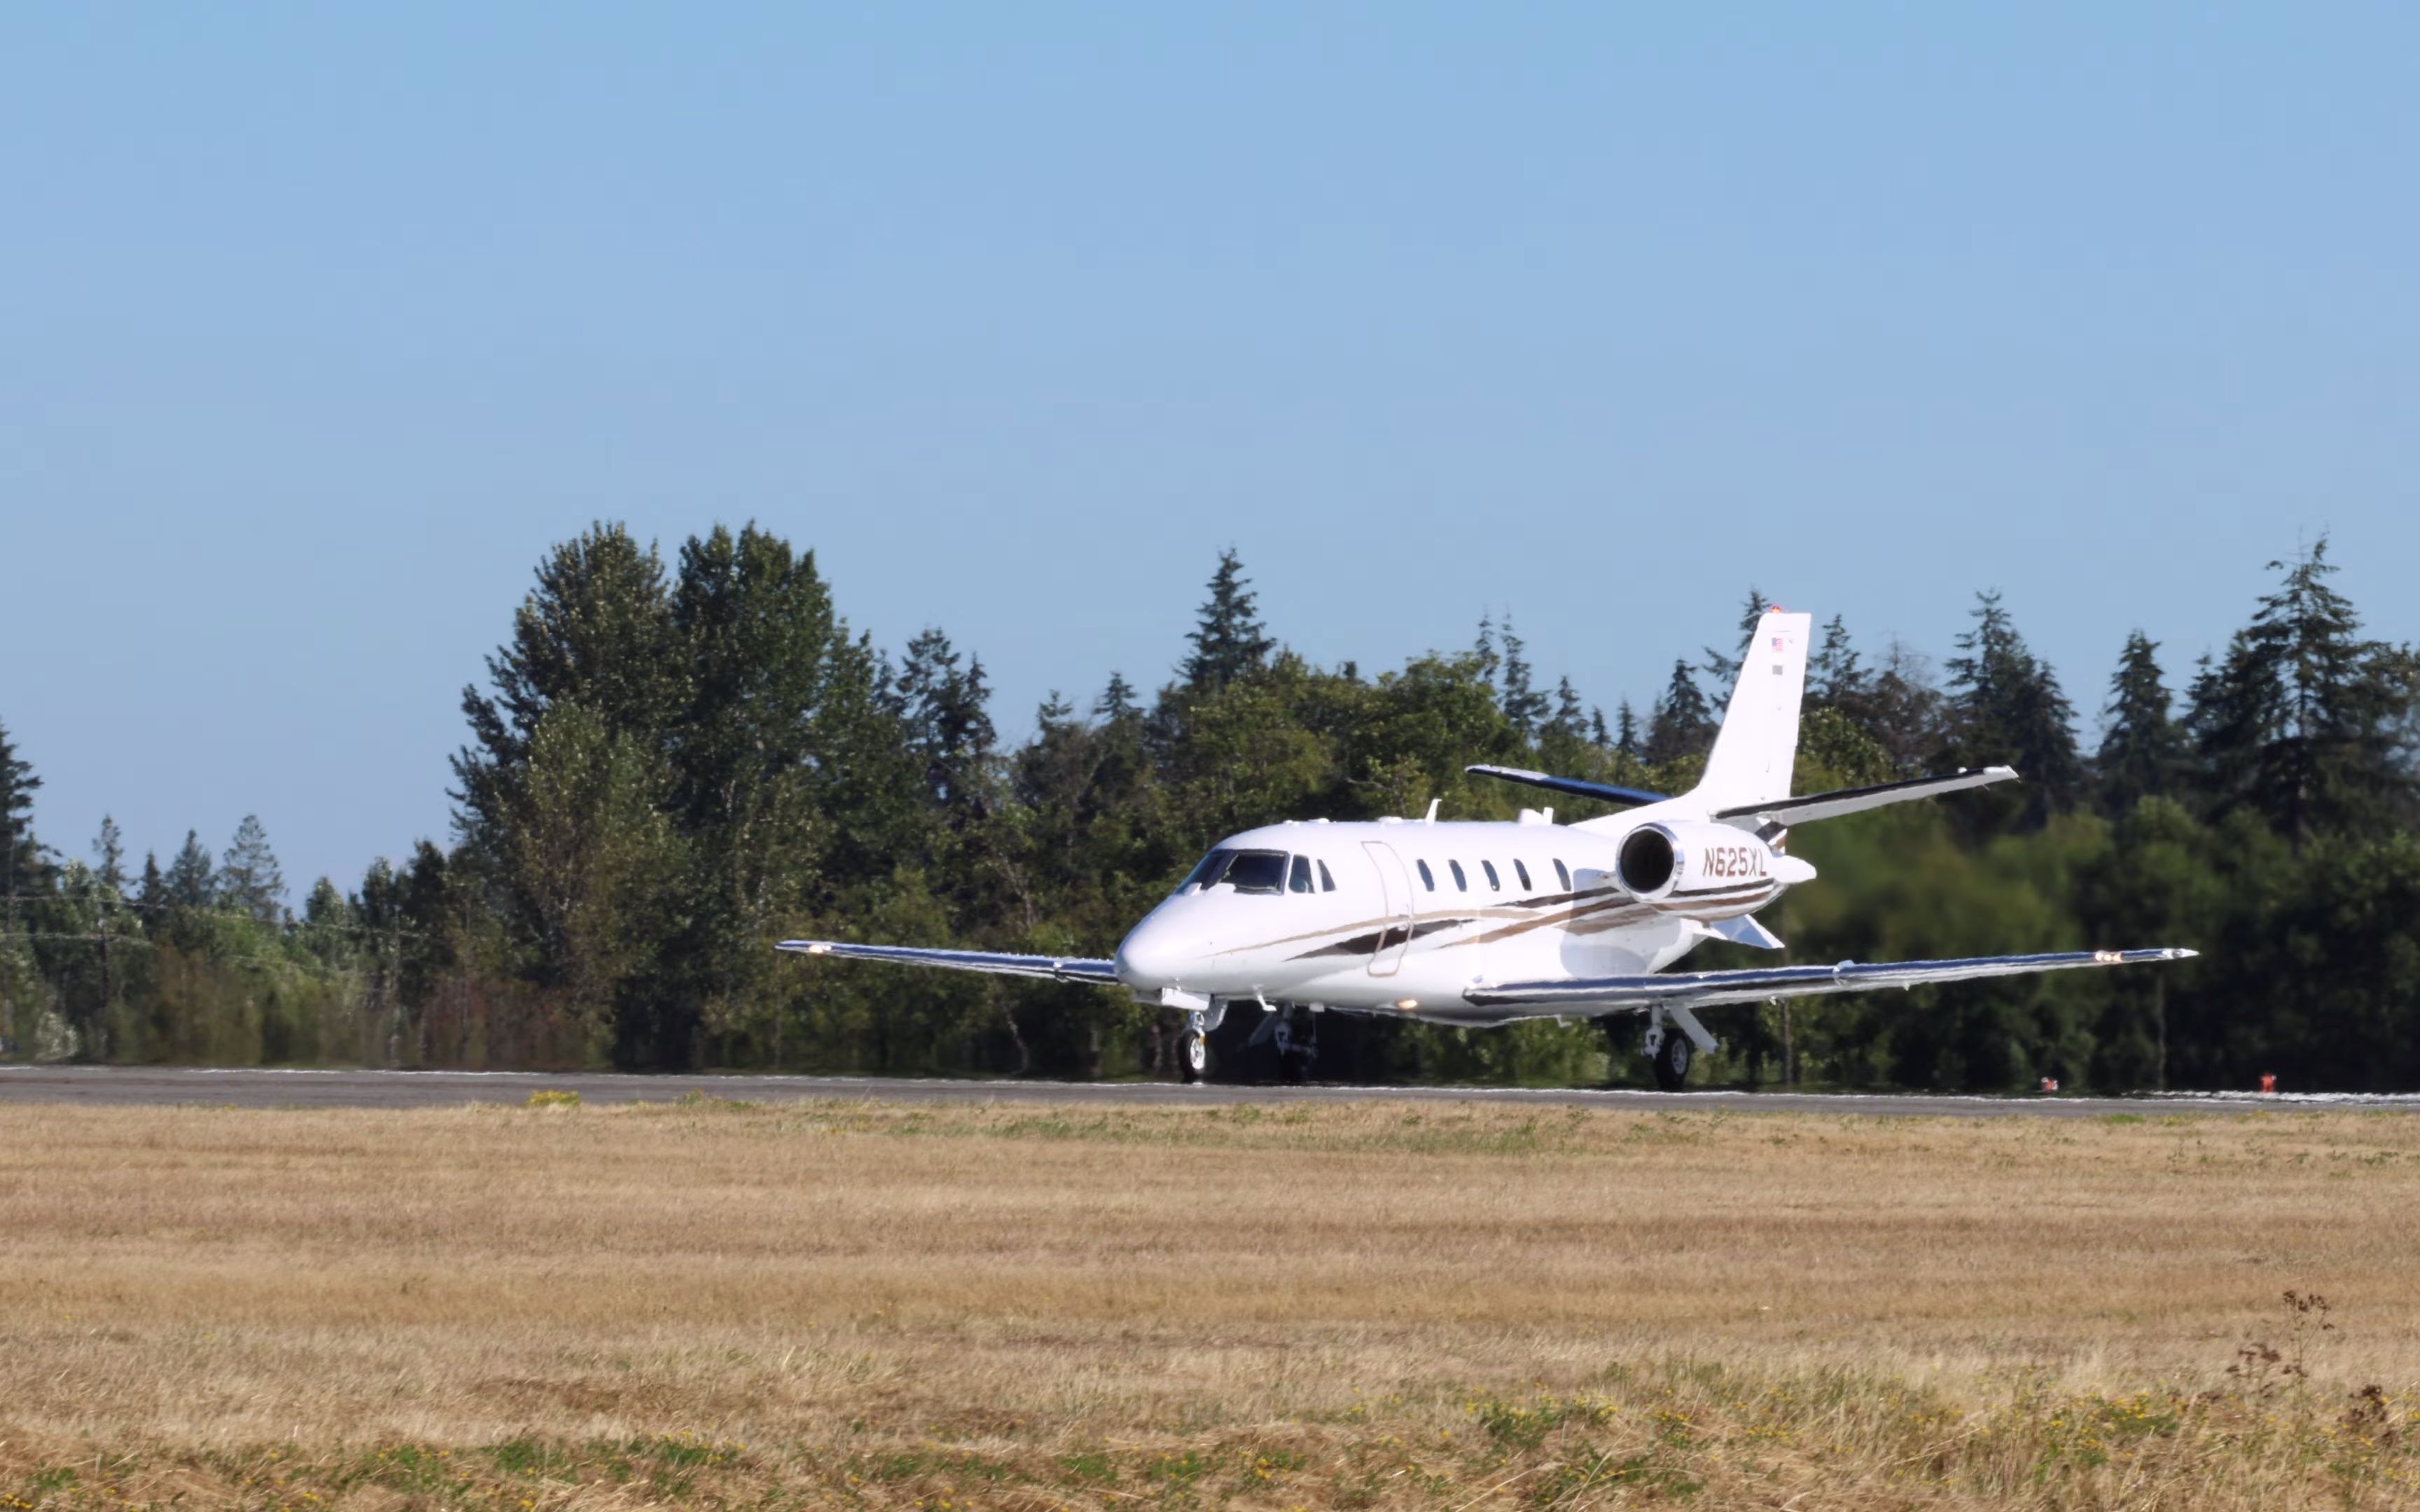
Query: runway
(142, 1086)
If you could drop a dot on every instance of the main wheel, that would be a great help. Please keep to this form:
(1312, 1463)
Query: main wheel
(1195, 1062)
(1672, 1060)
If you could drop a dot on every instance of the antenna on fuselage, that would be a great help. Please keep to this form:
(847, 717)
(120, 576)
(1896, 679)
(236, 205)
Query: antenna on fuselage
(1432, 808)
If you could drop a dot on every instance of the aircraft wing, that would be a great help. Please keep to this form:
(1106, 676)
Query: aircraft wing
(1047, 967)
(1598, 995)
(1814, 806)
(1602, 791)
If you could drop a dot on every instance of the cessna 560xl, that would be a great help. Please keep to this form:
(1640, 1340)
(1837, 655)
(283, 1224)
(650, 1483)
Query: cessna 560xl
(1487, 924)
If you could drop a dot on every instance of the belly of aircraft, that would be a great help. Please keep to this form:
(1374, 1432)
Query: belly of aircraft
(1425, 977)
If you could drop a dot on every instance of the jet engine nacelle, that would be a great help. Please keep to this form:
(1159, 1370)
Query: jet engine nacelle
(1659, 859)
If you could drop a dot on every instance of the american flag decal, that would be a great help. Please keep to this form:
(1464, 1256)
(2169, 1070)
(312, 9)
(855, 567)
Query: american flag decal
(1776, 642)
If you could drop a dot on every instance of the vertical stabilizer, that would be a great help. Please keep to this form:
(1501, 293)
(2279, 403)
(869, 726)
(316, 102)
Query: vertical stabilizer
(1758, 741)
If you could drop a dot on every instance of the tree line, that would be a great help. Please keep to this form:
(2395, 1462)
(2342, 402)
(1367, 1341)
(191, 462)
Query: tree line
(671, 763)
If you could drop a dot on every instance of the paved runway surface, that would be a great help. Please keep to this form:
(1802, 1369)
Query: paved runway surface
(106, 1085)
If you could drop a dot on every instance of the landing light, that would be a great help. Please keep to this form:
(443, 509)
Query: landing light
(1407, 1004)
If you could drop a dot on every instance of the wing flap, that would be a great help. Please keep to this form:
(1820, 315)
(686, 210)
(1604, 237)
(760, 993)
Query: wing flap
(1699, 989)
(1045, 968)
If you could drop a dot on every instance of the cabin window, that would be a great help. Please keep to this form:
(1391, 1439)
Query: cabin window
(1562, 873)
(1461, 883)
(1428, 878)
(1255, 872)
(1327, 879)
(1523, 872)
(1495, 883)
(1299, 880)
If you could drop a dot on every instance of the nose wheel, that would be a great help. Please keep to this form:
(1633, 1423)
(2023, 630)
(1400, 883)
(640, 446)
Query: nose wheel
(1193, 1058)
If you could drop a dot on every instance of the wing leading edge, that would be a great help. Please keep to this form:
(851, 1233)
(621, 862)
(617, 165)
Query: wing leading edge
(1045, 968)
(1832, 805)
(1599, 996)
(1784, 812)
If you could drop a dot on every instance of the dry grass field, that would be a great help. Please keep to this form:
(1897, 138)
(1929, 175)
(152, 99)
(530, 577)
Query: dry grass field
(1448, 1306)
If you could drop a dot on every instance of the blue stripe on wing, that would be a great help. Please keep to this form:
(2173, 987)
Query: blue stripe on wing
(1046, 967)
(1574, 785)
(1695, 989)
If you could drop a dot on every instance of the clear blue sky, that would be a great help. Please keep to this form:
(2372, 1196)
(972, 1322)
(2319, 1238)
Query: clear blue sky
(319, 323)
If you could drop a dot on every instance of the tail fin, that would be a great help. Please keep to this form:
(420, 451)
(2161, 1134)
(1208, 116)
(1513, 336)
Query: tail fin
(1758, 743)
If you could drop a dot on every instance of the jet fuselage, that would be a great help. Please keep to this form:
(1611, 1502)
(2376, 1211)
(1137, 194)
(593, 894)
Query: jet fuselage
(1402, 916)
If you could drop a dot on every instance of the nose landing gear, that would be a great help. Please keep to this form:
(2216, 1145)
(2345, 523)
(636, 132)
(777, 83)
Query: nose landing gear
(1193, 1063)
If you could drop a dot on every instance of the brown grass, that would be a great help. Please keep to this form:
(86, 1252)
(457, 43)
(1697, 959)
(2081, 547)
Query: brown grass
(1453, 1307)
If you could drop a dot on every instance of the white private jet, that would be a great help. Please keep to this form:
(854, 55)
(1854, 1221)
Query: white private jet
(1484, 923)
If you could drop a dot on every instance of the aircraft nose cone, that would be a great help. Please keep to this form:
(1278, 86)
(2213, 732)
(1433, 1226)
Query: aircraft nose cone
(1155, 957)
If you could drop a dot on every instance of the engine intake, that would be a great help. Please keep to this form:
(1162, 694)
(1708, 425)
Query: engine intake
(1649, 863)
(1713, 870)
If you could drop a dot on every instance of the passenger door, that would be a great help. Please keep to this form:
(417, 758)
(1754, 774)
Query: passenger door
(1395, 885)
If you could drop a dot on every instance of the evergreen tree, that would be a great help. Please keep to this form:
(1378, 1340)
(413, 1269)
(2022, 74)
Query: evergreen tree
(2005, 706)
(1570, 721)
(248, 876)
(109, 852)
(326, 907)
(1525, 707)
(1902, 711)
(868, 785)
(1116, 703)
(2299, 723)
(947, 723)
(151, 896)
(1836, 676)
(1625, 730)
(2142, 751)
(1682, 724)
(1229, 641)
(1722, 671)
(21, 866)
(192, 881)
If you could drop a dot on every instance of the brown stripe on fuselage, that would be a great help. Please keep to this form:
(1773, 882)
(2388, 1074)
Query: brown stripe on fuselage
(1597, 902)
(1591, 912)
(1505, 910)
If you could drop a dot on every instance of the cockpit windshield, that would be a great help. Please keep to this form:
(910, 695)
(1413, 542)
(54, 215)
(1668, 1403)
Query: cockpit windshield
(1206, 872)
(1244, 871)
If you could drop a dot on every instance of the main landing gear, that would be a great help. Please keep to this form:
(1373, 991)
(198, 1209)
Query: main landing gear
(1296, 1054)
(1673, 1040)
(1669, 1055)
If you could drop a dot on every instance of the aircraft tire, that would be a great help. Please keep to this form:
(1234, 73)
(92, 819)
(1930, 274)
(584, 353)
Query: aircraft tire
(1672, 1061)
(1193, 1062)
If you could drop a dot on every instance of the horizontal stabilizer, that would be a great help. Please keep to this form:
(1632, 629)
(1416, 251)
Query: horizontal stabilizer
(1048, 967)
(1699, 989)
(1814, 806)
(1573, 785)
